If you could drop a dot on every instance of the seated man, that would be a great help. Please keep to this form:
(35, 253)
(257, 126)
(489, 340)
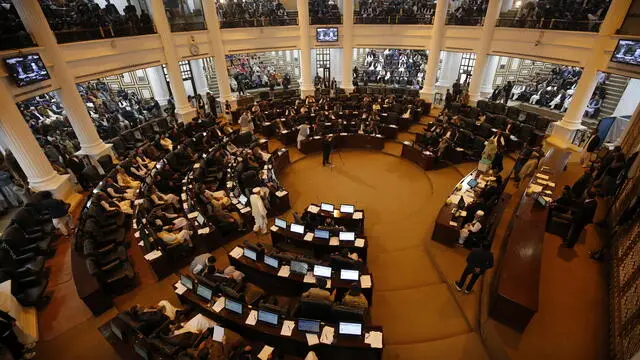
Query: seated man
(330, 226)
(171, 236)
(354, 298)
(110, 205)
(116, 191)
(220, 203)
(318, 292)
(472, 227)
(125, 180)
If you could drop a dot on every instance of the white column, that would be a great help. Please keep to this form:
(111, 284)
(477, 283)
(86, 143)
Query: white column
(490, 73)
(482, 51)
(158, 84)
(17, 136)
(435, 46)
(184, 111)
(347, 47)
(564, 130)
(36, 23)
(197, 68)
(450, 69)
(217, 47)
(306, 80)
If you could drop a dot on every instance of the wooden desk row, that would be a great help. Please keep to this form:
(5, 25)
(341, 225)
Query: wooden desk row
(318, 246)
(343, 347)
(424, 159)
(267, 277)
(352, 222)
(515, 295)
(344, 140)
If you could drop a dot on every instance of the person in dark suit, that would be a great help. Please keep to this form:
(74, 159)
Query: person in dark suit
(478, 261)
(582, 184)
(593, 144)
(327, 144)
(581, 218)
(448, 99)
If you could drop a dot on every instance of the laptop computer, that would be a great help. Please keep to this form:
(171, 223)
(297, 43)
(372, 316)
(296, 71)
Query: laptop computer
(347, 209)
(323, 271)
(347, 236)
(326, 207)
(349, 328)
(308, 325)
(346, 274)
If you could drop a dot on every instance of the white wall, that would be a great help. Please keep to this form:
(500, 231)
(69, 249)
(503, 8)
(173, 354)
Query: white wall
(629, 100)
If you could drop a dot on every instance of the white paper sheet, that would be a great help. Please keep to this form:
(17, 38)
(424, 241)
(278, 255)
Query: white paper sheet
(184, 197)
(265, 352)
(141, 243)
(357, 215)
(180, 289)
(365, 281)
(334, 241)
(219, 305)
(310, 278)
(287, 328)
(542, 176)
(359, 242)
(313, 209)
(327, 335)
(274, 228)
(138, 202)
(453, 223)
(153, 255)
(203, 231)
(312, 339)
(236, 252)
(281, 193)
(285, 270)
(252, 318)
(328, 284)
(245, 210)
(308, 236)
(193, 215)
(374, 338)
(218, 333)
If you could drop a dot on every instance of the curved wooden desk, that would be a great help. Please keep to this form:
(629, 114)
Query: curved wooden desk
(343, 140)
(352, 222)
(320, 247)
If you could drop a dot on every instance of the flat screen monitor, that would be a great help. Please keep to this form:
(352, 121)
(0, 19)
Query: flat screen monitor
(327, 34)
(141, 351)
(243, 199)
(323, 271)
(472, 183)
(541, 200)
(204, 291)
(273, 262)
(186, 281)
(299, 267)
(281, 223)
(347, 209)
(26, 69)
(297, 228)
(326, 207)
(348, 328)
(116, 330)
(349, 274)
(627, 52)
(321, 234)
(307, 325)
(347, 236)
(250, 254)
(233, 305)
(268, 317)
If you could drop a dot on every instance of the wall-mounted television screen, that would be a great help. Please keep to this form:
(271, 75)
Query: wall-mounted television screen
(26, 69)
(627, 52)
(327, 34)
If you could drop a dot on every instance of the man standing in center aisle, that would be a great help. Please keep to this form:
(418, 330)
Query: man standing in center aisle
(259, 211)
(327, 144)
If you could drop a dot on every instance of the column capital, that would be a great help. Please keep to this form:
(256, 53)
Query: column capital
(563, 134)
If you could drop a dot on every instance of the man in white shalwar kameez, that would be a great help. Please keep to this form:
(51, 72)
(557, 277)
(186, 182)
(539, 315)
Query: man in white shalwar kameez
(259, 211)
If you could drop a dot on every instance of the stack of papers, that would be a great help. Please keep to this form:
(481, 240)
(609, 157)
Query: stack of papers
(327, 335)
(245, 210)
(535, 188)
(281, 193)
(542, 176)
(287, 328)
(365, 281)
(153, 255)
(373, 338)
(357, 215)
(252, 318)
(453, 199)
(265, 352)
(219, 305)
(203, 231)
(180, 289)
(334, 241)
(236, 252)
(308, 236)
(274, 228)
(193, 215)
(359, 242)
(285, 270)
(313, 209)
(310, 278)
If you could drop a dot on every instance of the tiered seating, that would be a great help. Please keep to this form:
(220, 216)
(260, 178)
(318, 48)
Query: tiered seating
(25, 245)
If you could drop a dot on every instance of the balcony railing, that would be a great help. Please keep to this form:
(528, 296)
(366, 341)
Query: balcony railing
(187, 23)
(258, 22)
(16, 41)
(551, 24)
(326, 20)
(393, 19)
(102, 32)
(465, 21)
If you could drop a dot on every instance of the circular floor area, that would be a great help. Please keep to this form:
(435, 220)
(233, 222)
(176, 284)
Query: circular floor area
(412, 302)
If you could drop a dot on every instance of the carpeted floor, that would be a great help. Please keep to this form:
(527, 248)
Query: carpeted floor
(422, 315)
